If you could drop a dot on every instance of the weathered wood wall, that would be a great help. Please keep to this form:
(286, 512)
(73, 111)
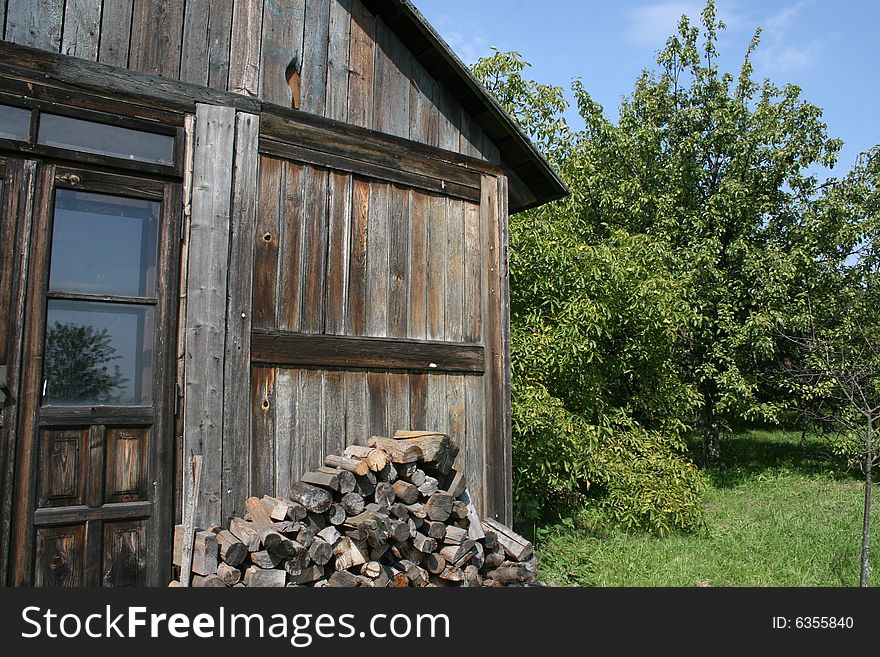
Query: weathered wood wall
(333, 58)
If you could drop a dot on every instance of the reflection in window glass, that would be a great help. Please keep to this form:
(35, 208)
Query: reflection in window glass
(103, 244)
(98, 353)
(103, 139)
(15, 123)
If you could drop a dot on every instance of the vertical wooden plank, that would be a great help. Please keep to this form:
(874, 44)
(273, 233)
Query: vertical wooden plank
(219, 36)
(156, 36)
(262, 452)
(339, 247)
(288, 455)
(35, 23)
(454, 270)
(337, 60)
(205, 52)
(30, 389)
(473, 450)
(281, 49)
(455, 408)
(391, 86)
(290, 256)
(418, 270)
(497, 436)
(398, 402)
(316, 40)
(399, 262)
(244, 50)
(206, 289)
(115, 33)
(314, 250)
(2, 18)
(377, 400)
(436, 270)
(311, 420)
(266, 239)
(361, 65)
(490, 150)
(436, 417)
(237, 353)
(356, 311)
(449, 116)
(334, 412)
(471, 136)
(503, 400)
(473, 254)
(377, 260)
(418, 390)
(357, 426)
(81, 29)
(424, 117)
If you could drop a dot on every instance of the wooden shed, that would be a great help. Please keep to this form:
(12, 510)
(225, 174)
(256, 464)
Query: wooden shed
(253, 230)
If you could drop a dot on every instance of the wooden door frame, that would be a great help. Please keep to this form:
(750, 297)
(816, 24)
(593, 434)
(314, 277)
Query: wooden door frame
(160, 477)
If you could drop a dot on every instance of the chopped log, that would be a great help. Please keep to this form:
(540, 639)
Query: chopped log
(413, 525)
(406, 550)
(388, 473)
(344, 478)
(371, 569)
(398, 451)
(384, 494)
(353, 503)
(245, 532)
(457, 554)
(439, 506)
(307, 575)
(456, 484)
(297, 564)
(511, 575)
(405, 470)
(329, 535)
(454, 535)
(322, 479)
(417, 576)
(336, 514)
(232, 550)
(399, 580)
(204, 551)
(356, 534)
(417, 510)
(494, 557)
(207, 581)
(315, 521)
(459, 510)
(418, 477)
(379, 551)
(429, 487)
(366, 485)
(320, 552)
(478, 559)
(375, 458)
(452, 574)
(344, 463)
(229, 574)
(405, 491)
(305, 536)
(314, 499)
(436, 447)
(434, 563)
(275, 507)
(472, 576)
(174, 584)
(434, 529)
(424, 543)
(295, 510)
(255, 577)
(399, 511)
(399, 530)
(264, 559)
(515, 546)
(490, 538)
(349, 554)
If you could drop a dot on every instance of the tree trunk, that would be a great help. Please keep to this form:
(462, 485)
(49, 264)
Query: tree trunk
(709, 427)
(866, 527)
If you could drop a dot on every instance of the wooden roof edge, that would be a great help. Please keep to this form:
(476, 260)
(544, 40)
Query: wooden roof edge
(540, 177)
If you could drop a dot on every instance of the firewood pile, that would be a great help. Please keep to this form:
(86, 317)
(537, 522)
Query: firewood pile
(392, 513)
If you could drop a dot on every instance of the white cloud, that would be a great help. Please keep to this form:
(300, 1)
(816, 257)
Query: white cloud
(650, 25)
(778, 53)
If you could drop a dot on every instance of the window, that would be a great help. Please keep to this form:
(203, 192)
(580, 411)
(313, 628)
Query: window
(15, 123)
(101, 299)
(103, 139)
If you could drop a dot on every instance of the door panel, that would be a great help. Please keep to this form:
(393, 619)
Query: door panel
(96, 429)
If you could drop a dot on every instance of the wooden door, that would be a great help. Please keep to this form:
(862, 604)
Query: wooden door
(94, 450)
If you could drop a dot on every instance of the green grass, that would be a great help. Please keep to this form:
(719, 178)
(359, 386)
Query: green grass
(779, 514)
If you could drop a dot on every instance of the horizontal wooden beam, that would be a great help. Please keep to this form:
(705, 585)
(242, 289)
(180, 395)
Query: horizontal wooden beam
(88, 415)
(285, 349)
(64, 515)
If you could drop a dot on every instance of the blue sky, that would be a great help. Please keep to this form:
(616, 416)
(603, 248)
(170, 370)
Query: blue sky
(830, 49)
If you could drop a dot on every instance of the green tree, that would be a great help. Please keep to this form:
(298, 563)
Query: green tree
(78, 365)
(716, 167)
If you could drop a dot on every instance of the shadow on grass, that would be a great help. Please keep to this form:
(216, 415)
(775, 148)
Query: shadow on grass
(748, 454)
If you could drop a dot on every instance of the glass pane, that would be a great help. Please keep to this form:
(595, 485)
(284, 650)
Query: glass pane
(98, 353)
(103, 139)
(103, 244)
(15, 123)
